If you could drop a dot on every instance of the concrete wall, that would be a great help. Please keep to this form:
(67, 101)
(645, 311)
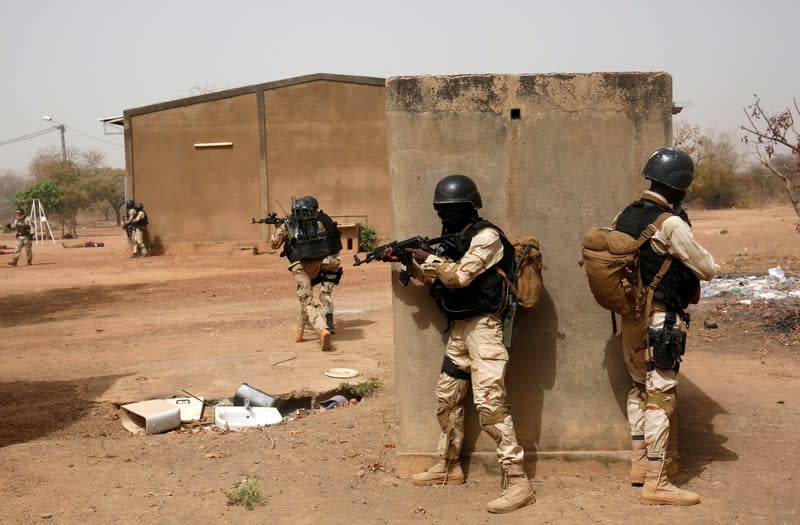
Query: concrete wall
(552, 155)
(328, 139)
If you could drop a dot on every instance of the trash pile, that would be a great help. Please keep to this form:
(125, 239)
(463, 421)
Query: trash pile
(774, 286)
(249, 408)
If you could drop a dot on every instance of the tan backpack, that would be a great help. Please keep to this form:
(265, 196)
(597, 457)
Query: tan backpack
(527, 282)
(611, 262)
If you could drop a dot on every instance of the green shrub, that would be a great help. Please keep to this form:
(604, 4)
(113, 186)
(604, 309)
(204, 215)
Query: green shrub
(366, 238)
(246, 492)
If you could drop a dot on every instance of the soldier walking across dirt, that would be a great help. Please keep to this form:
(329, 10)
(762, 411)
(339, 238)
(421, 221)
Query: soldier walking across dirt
(471, 295)
(654, 343)
(311, 241)
(24, 236)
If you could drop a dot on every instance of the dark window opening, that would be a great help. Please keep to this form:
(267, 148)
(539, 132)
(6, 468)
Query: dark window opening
(516, 113)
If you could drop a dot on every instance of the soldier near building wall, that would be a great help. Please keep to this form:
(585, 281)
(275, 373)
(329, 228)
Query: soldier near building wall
(654, 343)
(473, 296)
(24, 237)
(137, 225)
(311, 240)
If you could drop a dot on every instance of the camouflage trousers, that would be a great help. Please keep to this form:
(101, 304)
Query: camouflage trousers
(26, 244)
(137, 240)
(329, 266)
(475, 346)
(309, 312)
(653, 398)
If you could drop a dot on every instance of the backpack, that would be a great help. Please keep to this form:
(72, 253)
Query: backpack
(611, 261)
(526, 283)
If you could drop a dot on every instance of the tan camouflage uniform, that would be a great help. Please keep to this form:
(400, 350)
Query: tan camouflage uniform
(24, 227)
(653, 397)
(475, 346)
(137, 238)
(303, 273)
(330, 264)
(129, 217)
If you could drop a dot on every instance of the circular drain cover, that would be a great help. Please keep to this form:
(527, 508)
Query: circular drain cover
(341, 373)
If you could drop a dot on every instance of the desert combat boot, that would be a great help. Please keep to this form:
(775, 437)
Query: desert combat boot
(298, 334)
(324, 339)
(658, 491)
(442, 473)
(517, 491)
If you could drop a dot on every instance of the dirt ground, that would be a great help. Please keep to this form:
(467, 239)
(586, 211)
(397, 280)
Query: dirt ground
(84, 330)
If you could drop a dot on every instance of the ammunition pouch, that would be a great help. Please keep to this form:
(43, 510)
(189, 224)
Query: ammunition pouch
(668, 345)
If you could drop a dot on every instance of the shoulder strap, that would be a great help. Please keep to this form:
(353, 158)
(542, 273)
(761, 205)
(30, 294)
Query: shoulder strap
(661, 271)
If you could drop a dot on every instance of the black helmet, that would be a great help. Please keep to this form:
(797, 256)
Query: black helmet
(308, 202)
(138, 206)
(455, 189)
(129, 204)
(671, 167)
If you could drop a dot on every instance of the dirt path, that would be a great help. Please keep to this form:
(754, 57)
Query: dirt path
(86, 329)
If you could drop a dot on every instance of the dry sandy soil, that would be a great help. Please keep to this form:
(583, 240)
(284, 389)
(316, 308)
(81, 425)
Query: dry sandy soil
(84, 330)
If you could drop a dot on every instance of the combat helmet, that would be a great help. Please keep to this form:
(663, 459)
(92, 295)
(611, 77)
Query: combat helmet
(455, 189)
(671, 167)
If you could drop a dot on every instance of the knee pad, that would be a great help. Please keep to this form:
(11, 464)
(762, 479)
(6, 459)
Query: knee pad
(489, 418)
(667, 401)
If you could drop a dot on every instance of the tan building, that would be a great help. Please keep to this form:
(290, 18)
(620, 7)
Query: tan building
(204, 166)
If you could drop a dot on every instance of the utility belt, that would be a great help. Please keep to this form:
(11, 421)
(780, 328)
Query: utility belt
(667, 345)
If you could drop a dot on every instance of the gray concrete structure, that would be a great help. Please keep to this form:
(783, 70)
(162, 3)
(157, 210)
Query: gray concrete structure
(552, 155)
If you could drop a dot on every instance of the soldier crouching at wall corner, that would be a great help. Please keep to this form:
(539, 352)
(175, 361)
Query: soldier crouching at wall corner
(311, 241)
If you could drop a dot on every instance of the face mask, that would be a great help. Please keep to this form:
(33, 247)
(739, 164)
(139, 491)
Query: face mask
(455, 217)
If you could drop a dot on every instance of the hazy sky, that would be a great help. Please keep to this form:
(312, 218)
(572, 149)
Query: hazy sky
(81, 60)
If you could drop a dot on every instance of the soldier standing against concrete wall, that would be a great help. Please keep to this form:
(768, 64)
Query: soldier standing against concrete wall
(471, 295)
(130, 214)
(313, 254)
(654, 367)
(138, 225)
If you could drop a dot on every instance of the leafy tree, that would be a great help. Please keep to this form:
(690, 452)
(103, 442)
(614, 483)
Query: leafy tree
(47, 191)
(108, 189)
(73, 176)
(716, 183)
(769, 133)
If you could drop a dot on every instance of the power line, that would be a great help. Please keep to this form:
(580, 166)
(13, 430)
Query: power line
(48, 130)
(91, 137)
(28, 136)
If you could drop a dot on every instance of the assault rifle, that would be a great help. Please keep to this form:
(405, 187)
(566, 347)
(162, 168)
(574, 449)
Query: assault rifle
(435, 246)
(271, 218)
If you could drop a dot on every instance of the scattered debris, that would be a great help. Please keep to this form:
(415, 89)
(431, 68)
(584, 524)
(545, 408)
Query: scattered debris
(773, 286)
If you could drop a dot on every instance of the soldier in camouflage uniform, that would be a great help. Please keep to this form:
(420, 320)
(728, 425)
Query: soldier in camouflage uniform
(138, 225)
(25, 231)
(324, 269)
(651, 358)
(130, 214)
(471, 295)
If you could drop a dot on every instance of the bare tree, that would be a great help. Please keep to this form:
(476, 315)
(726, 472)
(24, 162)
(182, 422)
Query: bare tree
(768, 131)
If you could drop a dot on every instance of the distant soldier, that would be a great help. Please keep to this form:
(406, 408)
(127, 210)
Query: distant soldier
(25, 231)
(139, 227)
(130, 214)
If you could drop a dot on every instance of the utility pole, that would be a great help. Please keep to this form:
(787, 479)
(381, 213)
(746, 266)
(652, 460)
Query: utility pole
(61, 128)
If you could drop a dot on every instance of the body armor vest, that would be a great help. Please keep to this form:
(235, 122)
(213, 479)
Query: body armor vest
(487, 293)
(679, 284)
(306, 240)
(23, 227)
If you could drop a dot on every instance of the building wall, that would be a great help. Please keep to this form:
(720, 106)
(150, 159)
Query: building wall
(195, 194)
(328, 139)
(322, 137)
(572, 159)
